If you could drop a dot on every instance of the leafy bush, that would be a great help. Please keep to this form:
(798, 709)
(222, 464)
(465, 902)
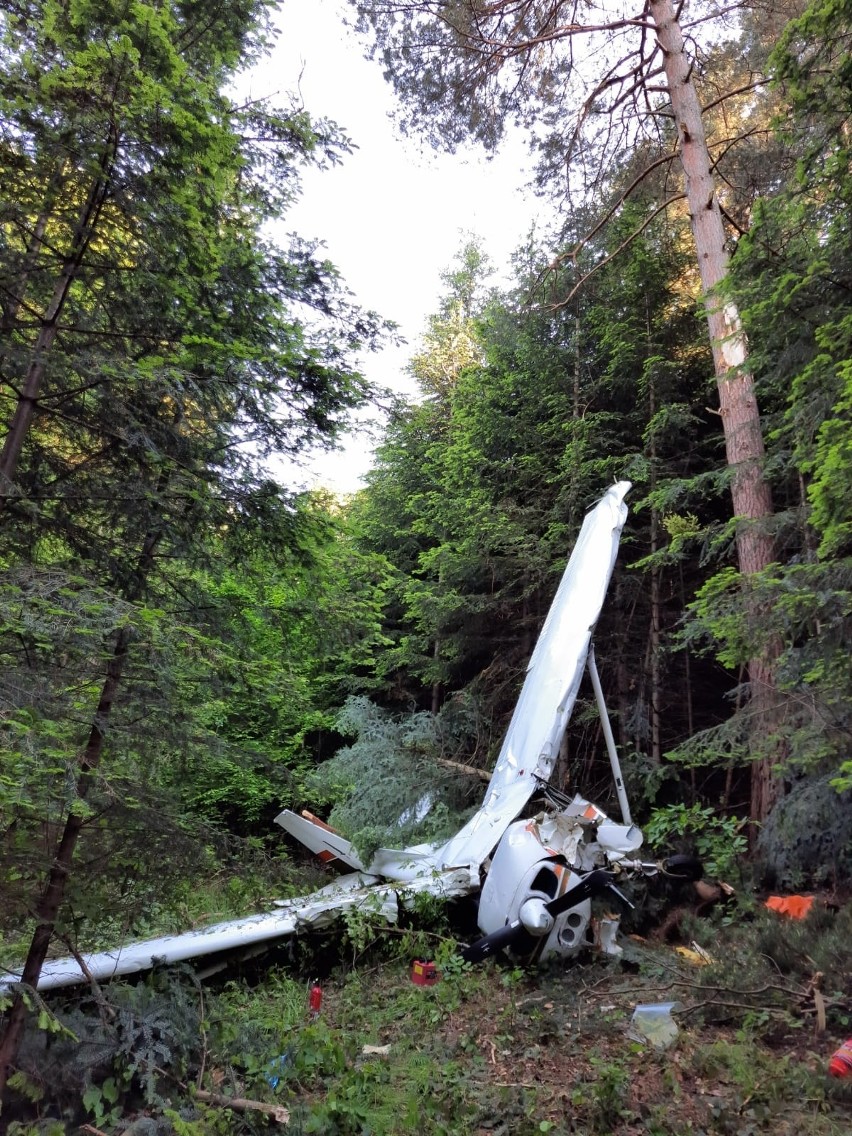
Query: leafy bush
(717, 840)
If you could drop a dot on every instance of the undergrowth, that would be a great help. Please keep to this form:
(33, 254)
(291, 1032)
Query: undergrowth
(487, 1050)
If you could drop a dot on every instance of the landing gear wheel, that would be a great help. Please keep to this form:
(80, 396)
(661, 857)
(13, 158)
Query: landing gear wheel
(683, 867)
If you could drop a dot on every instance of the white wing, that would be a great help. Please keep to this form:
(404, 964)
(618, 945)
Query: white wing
(292, 916)
(550, 689)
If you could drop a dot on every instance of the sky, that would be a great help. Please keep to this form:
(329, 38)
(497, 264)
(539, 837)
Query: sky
(393, 215)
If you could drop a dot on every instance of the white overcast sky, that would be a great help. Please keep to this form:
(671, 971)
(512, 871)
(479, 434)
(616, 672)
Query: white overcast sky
(394, 214)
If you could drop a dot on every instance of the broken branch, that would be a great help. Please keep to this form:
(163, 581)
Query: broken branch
(276, 1112)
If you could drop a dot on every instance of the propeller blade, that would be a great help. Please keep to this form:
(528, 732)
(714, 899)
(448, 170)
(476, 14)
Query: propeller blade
(514, 936)
(591, 885)
(619, 894)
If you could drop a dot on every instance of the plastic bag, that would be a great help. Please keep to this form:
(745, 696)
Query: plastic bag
(654, 1023)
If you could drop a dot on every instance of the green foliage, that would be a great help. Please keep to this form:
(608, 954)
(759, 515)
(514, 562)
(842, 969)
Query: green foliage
(807, 841)
(800, 612)
(170, 351)
(485, 1046)
(480, 489)
(758, 965)
(39, 1128)
(761, 1084)
(113, 1046)
(388, 787)
(252, 1034)
(718, 841)
(100, 1102)
(605, 1099)
(791, 274)
(284, 646)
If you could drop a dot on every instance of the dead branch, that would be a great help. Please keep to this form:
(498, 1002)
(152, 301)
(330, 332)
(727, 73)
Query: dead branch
(106, 1011)
(276, 1112)
(616, 252)
(622, 198)
(732, 94)
(466, 770)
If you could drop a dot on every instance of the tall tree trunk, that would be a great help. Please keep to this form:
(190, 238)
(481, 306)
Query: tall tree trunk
(752, 499)
(436, 684)
(50, 902)
(84, 230)
(656, 579)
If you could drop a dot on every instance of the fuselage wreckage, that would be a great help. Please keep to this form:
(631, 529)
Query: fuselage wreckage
(536, 877)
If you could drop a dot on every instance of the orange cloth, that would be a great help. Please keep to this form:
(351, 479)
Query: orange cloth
(796, 906)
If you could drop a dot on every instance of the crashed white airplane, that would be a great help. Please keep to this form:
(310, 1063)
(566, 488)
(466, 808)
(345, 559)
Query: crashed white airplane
(540, 875)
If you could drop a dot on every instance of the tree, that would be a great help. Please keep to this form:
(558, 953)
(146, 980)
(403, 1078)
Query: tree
(465, 67)
(792, 275)
(399, 515)
(479, 493)
(118, 152)
(153, 359)
(287, 638)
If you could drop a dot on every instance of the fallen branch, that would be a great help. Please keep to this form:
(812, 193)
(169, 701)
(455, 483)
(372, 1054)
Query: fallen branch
(710, 989)
(277, 1112)
(467, 770)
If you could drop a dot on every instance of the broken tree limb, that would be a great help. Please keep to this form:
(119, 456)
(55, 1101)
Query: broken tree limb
(467, 770)
(276, 1112)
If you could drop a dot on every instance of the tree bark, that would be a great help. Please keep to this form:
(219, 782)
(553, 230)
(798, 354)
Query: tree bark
(750, 492)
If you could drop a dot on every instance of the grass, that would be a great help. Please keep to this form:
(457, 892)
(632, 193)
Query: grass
(496, 1050)
(499, 1050)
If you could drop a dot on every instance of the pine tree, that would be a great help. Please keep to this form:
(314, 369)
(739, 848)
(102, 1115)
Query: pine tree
(465, 69)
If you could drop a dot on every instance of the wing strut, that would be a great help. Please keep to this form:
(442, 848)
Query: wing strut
(608, 736)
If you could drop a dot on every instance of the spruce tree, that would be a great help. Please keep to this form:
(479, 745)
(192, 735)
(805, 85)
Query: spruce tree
(156, 353)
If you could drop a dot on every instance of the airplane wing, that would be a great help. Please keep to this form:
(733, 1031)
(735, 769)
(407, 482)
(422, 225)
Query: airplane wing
(550, 689)
(528, 754)
(292, 916)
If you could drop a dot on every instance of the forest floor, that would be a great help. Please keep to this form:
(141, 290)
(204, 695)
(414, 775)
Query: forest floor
(501, 1051)
(490, 1050)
